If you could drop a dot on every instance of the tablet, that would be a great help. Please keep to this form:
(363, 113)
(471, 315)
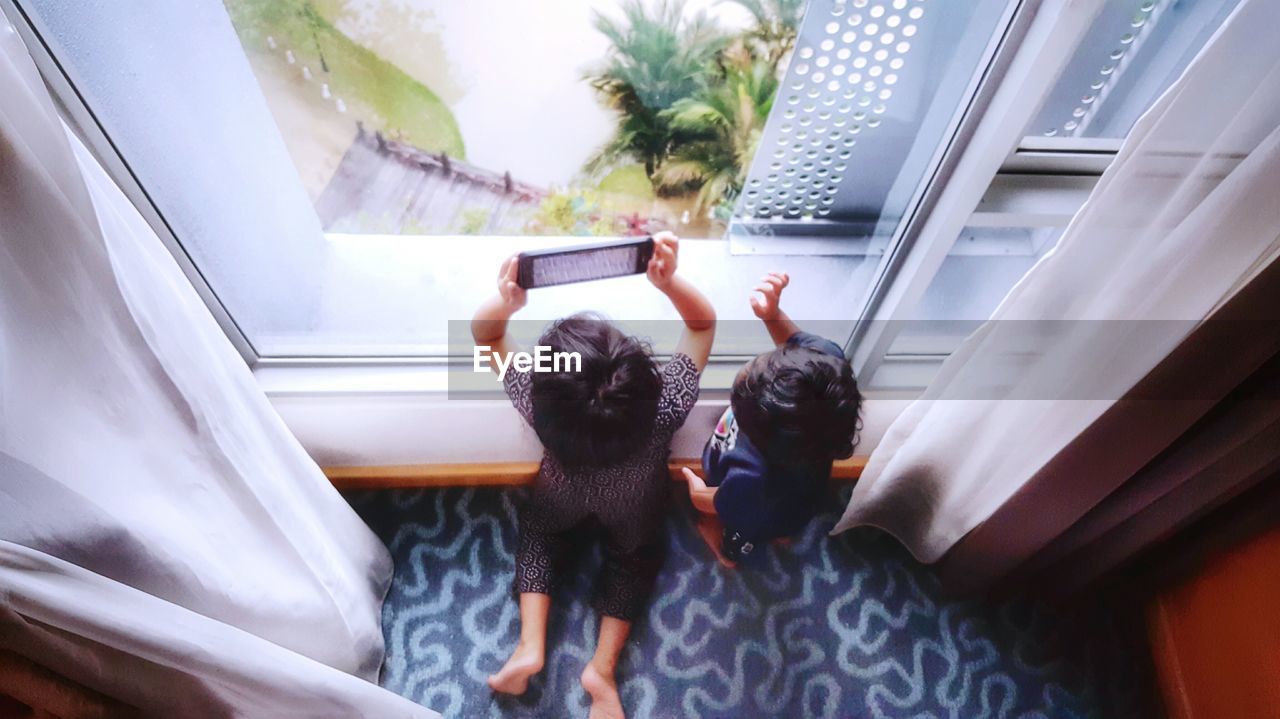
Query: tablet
(583, 263)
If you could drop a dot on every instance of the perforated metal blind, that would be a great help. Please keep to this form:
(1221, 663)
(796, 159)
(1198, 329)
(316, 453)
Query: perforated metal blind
(865, 102)
(837, 90)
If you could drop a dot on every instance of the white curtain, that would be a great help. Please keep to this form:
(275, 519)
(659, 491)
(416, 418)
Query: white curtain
(164, 540)
(1185, 216)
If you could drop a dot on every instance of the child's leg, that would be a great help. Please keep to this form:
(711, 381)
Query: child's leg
(705, 517)
(531, 652)
(712, 532)
(538, 556)
(599, 676)
(626, 580)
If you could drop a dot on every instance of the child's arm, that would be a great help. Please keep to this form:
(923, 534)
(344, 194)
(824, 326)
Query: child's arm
(703, 496)
(489, 326)
(780, 326)
(694, 308)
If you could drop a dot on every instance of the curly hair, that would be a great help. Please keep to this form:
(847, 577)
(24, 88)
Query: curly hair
(798, 405)
(605, 412)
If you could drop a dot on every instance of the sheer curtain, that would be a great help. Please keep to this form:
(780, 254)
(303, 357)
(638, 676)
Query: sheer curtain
(164, 540)
(1185, 217)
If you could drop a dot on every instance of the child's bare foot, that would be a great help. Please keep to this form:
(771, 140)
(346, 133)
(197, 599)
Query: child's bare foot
(710, 533)
(603, 689)
(513, 677)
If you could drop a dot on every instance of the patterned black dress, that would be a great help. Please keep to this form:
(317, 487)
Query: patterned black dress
(628, 503)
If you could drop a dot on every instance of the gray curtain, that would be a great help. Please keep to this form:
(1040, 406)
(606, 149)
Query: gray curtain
(1032, 442)
(164, 540)
(1201, 429)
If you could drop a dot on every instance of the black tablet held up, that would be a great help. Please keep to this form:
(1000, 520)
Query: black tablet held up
(562, 265)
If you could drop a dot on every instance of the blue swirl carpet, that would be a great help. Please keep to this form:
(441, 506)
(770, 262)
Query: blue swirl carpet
(849, 626)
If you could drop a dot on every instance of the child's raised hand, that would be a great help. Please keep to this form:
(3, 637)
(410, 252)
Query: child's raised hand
(697, 313)
(768, 295)
(513, 295)
(662, 266)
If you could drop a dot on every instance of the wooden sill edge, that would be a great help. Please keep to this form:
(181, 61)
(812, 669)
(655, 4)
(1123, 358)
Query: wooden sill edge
(501, 474)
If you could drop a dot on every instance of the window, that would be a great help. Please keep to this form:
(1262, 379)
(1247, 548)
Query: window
(1130, 53)
(337, 204)
(498, 118)
(341, 178)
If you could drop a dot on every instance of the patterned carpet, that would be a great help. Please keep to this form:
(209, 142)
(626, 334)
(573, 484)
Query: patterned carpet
(828, 627)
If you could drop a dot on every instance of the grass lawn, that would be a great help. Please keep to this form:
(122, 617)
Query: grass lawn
(630, 181)
(405, 107)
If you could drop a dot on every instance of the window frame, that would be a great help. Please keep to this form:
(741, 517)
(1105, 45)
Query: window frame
(995, 147)
(75, 111)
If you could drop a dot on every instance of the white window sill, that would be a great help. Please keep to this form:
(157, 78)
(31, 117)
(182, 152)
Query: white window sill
(373, 414)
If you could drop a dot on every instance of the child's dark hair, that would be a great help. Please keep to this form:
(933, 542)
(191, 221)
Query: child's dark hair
(604, 413)
(798, 405)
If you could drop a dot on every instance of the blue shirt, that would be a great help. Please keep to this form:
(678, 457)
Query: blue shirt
(758, 501)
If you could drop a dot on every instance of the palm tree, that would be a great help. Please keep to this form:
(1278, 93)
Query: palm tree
(659, 57)
(777, 24)
(724, 121)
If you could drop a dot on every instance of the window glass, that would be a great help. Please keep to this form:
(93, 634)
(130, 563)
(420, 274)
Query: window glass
(1132, 53)
(347, 175)
(490, 117)
(981, 268)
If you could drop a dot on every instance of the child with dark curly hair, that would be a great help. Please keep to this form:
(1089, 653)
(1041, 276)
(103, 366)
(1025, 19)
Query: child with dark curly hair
(792, 412)
(606, 426)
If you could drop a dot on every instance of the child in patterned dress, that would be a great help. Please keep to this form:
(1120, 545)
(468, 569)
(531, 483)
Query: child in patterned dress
(605, 430)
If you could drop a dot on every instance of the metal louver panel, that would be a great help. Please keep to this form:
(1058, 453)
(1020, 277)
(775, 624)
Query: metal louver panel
(866, 101)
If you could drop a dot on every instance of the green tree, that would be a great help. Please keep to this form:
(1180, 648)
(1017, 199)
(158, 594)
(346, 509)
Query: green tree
(777, 24)
(724, 122)
(659, 57)
(572, 211)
